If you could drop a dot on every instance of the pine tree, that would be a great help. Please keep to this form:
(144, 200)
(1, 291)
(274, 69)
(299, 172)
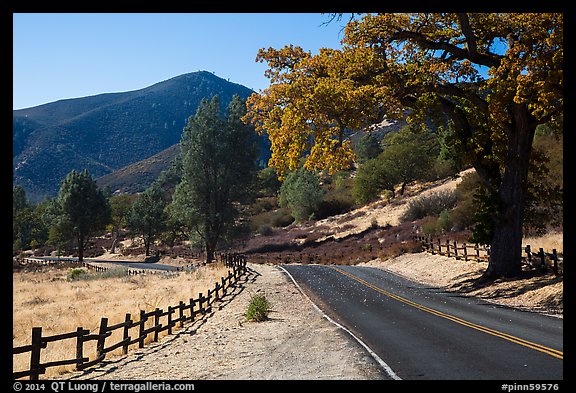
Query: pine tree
(218, 170)
(80, 210)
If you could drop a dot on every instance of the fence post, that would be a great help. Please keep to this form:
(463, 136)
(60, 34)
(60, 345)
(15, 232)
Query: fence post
(35, 353)
(528, 255)
(79, 347)
(542, 260)
(127, 322)
(156, 322)
(101, 337)
(464, 248)
(192, 312)
(455, 249)
(170, 310)
(200, 301)
(142, 328)
(181, 313)
(448, 247)
(555, 257)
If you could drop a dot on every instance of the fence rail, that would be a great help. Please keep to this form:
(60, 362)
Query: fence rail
(162, 320)
(553, 261)
(92, 266)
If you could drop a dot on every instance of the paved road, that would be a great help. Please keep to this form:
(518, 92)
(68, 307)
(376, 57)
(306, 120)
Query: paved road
(427, 333)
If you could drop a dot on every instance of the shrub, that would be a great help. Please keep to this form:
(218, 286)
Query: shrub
(431, 226)
(75, 274)
(302, 193)
(431, 205)
(258, 308)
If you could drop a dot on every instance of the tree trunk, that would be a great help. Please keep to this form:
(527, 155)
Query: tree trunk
(210, 249)
(116, 236)
(80, 247)
(147, 241)
(506, 245)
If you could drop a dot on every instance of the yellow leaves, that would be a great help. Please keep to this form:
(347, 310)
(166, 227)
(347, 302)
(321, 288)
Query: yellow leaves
(388, 60)
(310, 102)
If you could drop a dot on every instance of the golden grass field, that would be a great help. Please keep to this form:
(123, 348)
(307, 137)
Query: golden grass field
(59, 306)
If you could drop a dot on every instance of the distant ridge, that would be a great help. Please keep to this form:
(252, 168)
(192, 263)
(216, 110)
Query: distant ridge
(109, 131)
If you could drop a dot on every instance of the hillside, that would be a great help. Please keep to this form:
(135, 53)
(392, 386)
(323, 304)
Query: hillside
(106, 132)
(138, 176)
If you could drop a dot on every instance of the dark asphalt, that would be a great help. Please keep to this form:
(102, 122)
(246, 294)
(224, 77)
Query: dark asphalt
(427, 333)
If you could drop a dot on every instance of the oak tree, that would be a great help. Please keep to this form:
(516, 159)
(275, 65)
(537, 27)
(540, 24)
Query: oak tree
(494, 76)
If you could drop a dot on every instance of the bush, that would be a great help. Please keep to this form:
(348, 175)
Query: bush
(258, 308)
(431, 205)
(75, 274)
(301, 193)
(431, 226)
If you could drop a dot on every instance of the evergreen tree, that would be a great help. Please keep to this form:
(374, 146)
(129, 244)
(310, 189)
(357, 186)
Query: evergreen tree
(80, 210)
(218, 171)
(147, 217)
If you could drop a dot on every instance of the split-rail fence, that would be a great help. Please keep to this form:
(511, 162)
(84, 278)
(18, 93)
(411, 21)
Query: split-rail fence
(134, 330)
(539, 260)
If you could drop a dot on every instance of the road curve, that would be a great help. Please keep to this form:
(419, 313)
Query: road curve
(428, 333)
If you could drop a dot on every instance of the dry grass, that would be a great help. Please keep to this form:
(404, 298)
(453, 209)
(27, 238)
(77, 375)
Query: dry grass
(48, 300)
(549, 241)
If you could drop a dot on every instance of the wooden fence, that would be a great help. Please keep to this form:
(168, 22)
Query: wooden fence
(541, 260)
(97, 268)
(162, 320)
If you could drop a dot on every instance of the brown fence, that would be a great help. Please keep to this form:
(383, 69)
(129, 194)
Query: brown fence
(541, 260)
(134, 330)
(91, 266)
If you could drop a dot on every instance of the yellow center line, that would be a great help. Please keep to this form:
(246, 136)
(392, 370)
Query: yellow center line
(538, 347)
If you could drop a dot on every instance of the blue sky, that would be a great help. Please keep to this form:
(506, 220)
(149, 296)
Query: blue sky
(58, 56)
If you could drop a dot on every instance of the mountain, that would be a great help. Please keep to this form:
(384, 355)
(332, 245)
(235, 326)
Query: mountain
(138, 176)
(107, 132)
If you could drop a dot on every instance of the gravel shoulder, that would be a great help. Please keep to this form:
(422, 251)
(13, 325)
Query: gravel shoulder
(296, 342)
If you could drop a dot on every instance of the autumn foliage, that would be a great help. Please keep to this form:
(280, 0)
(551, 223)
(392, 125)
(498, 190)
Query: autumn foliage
(493, 76)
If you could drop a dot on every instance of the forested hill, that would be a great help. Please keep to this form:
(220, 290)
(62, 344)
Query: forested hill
(107, 132)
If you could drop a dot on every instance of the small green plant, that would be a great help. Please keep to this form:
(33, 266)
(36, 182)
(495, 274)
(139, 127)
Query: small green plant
(75, 274)
(258, 308)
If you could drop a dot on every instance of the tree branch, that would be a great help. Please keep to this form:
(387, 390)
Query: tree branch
(489, 60)
(468, 33)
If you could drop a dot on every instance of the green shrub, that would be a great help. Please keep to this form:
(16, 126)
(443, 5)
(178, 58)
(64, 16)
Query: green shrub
(75, 274)
(431, 226)
(301, 193)
(258, 308)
